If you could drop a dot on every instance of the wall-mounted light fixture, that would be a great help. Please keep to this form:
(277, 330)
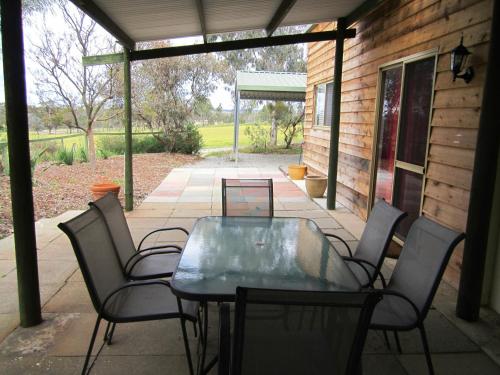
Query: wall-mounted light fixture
(459, 56)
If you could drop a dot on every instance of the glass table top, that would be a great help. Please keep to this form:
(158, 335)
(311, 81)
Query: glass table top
(223, 253)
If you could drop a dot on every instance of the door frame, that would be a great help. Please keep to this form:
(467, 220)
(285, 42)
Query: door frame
(376, 133)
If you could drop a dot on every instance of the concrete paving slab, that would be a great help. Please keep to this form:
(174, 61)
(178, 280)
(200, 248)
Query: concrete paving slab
(379, 364)
(6, 266)
(38, 339)
(8, 323)
(451, 364)
(443, 337)
(39, 364)
(71, 298)
(144, 365)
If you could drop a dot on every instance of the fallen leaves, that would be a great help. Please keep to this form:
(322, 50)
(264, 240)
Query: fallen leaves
(59, 188)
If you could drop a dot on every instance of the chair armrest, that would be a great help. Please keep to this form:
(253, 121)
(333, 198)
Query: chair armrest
(138, 255)
(224, 339)
(178, 248)
(341, 240)
(135, 259)
(132, 284)
(161, 230)
(360, 263)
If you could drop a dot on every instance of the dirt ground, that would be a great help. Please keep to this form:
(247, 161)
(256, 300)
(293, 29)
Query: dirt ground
(58, 188)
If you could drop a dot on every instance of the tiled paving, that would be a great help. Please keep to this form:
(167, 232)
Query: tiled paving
(58, 345)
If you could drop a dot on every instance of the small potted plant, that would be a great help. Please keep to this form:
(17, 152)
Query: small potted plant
(104, 186)
(316, 185)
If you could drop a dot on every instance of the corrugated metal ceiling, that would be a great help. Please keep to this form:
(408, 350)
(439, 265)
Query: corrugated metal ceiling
(145, 20)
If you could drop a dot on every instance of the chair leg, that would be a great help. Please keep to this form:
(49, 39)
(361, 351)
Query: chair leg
(110, 337)
(387, 343)
(105, 338)
(91, 345)
(195, 329)
(186, 346)
(426, 349)
(398, 344)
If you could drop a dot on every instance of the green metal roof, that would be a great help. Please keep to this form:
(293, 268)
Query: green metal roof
(271, 85)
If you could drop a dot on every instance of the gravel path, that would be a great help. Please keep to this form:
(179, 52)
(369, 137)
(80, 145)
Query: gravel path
(247, 161)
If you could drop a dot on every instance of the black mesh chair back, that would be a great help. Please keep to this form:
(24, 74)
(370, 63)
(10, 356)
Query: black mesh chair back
(247, 197)
(423, 259)
(312, 332)
(96, 255)
(113, 216)
(377, 235)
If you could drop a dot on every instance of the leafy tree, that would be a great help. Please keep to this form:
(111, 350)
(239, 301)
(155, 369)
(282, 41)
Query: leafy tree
(167, 91)
(287, 118)
(62, 79)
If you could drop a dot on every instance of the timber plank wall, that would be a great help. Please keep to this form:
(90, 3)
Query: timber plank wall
(398, 29)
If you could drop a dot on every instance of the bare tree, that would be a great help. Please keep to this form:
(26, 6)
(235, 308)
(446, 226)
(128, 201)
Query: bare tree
(61, 78)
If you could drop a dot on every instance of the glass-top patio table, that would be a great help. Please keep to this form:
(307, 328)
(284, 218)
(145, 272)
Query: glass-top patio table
(223, 253)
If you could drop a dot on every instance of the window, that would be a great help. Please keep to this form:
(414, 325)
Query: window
(323, 104)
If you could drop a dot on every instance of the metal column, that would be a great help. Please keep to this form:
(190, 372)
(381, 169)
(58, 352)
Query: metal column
(20, 165)
(334, 130)
(236, 122)
(127, 124)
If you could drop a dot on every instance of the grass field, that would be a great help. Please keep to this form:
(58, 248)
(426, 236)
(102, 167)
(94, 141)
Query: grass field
(213, 137)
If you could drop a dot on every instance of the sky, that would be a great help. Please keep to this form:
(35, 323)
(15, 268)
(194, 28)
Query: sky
(219, 96)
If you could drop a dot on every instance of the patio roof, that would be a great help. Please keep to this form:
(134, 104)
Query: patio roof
(271, 85)
(146, 20)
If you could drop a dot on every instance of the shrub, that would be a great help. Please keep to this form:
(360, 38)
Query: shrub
(82, 155)
(185, 141)
(65, 156)
(259, 137)
(147, 145)
(115, 145)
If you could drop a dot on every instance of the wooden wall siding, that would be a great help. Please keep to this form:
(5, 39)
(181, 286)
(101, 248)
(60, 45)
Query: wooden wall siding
(398, 29)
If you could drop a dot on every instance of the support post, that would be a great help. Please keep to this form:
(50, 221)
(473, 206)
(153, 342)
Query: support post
(334, 130)
(19, 158)
(483, 184)
(127, 124)
(236, 122)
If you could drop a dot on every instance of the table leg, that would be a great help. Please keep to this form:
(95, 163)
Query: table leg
(203, 337)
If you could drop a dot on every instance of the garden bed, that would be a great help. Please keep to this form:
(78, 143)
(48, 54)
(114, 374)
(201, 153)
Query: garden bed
(58, 188)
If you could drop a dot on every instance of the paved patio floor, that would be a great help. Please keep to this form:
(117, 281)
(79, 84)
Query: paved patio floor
(59, 344)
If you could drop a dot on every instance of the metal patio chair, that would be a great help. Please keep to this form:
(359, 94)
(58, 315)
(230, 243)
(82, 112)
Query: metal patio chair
(366, 261)
(331, 345)
(414, 281)
(247, 197)
(138, 263)
(115, 298)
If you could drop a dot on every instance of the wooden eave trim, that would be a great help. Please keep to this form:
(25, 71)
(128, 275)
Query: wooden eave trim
(98, 15)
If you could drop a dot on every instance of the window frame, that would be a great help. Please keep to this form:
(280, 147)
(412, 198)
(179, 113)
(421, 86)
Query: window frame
(315, 99)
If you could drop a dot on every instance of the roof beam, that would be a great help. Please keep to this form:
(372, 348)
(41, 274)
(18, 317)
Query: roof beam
(96, 13)
(201, 16)
(238, 44)
(362, 10)
(279, 15)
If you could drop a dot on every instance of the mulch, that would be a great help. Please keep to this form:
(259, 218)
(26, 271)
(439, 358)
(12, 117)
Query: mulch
(59, 188)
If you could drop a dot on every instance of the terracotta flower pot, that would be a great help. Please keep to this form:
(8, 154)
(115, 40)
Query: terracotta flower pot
(316, 186)
(297, 171)
(101, 189)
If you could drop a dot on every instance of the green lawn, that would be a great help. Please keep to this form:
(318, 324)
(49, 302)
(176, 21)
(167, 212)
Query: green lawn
(213, 137)
(222, 136)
